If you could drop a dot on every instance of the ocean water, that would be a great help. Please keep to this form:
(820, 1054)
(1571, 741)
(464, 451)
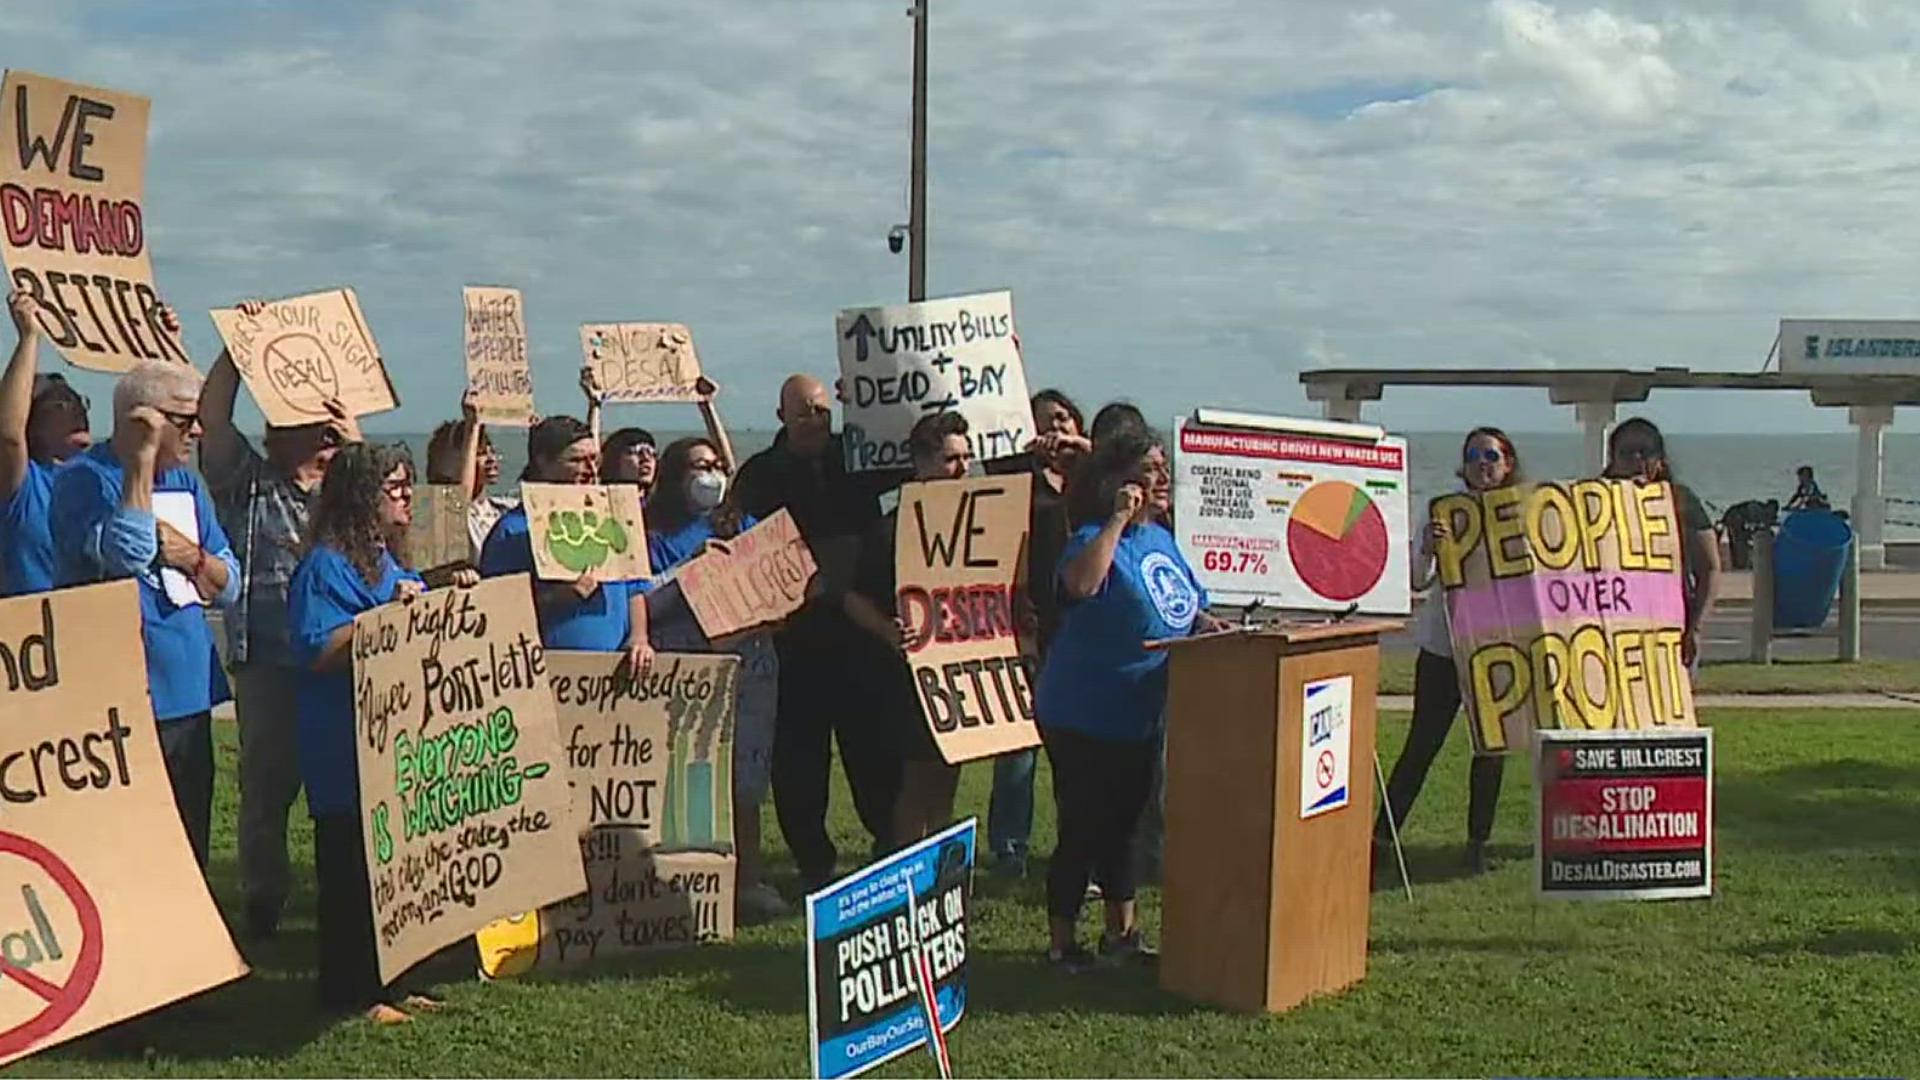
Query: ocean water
(1722, 469)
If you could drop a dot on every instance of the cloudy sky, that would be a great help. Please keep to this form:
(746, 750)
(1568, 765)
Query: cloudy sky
(1192, 200)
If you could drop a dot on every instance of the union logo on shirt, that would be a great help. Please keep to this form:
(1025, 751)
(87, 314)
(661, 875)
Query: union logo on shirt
(1169, 589)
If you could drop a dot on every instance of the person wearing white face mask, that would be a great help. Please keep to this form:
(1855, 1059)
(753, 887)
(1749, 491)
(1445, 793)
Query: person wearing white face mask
(687, 514)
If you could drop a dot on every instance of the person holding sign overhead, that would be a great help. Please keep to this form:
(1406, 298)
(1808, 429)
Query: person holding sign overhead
(262, 498)
(43, 425)
(1102, 697)
(1488, 460)
(586, 614)
(107, 525)
(364, 508)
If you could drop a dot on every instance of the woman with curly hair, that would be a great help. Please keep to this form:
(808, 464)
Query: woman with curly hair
(354, 563)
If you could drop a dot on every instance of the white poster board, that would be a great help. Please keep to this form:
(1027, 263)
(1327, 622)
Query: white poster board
(901, 362)
(1305, 515)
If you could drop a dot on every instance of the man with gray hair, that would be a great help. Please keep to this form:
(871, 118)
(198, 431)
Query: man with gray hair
(133, 508)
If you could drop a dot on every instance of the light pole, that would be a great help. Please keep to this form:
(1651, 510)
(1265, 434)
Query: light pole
(917, 200)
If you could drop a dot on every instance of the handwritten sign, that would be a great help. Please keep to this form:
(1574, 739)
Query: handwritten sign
(642, 361)
(1566, 607)
(72, 177)
(1624, 815)
(761, 579)
(901, 362)
(439, 535)
(103, 912)
(957, 549)
(462, 783)
(498, 372)
(301, 351)
(651, 764)
(580, 529)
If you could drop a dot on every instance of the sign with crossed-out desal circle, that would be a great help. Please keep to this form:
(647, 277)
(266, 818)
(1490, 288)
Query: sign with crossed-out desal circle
(59, 1002)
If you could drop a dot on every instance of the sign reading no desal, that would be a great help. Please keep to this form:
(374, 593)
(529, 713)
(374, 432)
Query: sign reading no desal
(1624, 814)
(37, 942)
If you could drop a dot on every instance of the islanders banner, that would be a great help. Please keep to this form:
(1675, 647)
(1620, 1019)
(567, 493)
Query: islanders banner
(1566, 605)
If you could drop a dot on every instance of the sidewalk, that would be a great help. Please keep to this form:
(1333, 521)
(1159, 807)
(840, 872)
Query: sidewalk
(1404, 702)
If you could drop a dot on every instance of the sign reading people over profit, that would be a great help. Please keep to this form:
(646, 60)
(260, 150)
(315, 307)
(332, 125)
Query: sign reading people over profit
(498, 372)
(1297, 520)
(651, 764)
(760, 578)
(881, 944)
(903, 361)
(958, 547)
(641, 362)
(72, 174)
(301, 352)
(462, 782)
(1625, 814)
(103, 912)
(581, 529)
(1566, 608)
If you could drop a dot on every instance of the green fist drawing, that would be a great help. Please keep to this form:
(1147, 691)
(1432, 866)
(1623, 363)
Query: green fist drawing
(582, 540)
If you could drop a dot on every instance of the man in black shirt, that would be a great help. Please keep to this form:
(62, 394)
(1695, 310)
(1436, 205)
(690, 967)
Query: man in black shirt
(827, 665)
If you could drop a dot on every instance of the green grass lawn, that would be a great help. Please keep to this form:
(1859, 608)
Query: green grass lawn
(1779, 677)
(1808, 961)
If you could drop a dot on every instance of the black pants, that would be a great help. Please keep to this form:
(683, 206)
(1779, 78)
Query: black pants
(829, 688)
(1436, 699)
(349, 964)
(1100, 789)
(187, 746)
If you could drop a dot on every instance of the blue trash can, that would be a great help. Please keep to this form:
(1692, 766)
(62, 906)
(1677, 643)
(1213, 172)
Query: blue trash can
(1809, 556)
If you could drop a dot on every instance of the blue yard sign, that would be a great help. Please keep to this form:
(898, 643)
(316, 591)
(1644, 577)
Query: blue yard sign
(882, 942)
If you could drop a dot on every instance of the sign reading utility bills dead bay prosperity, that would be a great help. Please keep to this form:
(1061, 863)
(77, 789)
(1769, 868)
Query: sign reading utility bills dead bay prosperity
(72, 177)
(899, 363)
(463, 785)
(1566, 608)
(103, 912)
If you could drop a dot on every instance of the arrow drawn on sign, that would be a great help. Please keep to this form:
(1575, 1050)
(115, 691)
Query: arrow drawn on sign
(860, 332)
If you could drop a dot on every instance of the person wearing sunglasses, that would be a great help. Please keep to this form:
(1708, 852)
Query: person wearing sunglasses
(134, 508)
(43, 425)
(1487, 461)
(1637, 451)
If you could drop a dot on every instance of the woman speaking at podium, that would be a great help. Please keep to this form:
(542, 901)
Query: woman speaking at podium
(1487, 461)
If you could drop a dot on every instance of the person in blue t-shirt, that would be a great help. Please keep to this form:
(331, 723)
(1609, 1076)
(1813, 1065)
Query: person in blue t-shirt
(587, 614)
(133, 508)
(361, 515)
(1122, 582)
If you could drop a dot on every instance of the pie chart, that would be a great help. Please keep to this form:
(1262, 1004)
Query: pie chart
(1337, 540)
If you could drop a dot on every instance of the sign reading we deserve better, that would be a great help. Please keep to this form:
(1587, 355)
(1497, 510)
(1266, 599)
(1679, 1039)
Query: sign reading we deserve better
(72, 181)
(498, 373)
(463, 784)
(899, 363)
(1566, 608)
(1624, 814)
(301, 352)
(958, 548)
(650, 762)
(103, 912)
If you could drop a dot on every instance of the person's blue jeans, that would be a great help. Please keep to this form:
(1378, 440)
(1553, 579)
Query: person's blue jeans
(1010, 810)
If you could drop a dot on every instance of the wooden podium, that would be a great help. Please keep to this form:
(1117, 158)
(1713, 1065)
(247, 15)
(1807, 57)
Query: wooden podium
(1266, 906)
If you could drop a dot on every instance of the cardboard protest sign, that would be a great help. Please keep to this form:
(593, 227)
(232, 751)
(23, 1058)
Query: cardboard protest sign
(650, 762)
(302, 351)
(1296, 521)
(439, 535)
(639, 362)
(880, 943)
(761, 579)
(1624, 815)
(580, 529)
(72, 180)
(462, 777)
(903, 361)
(958, 547)
(103, 912)
(498, 371)
(1566, 607)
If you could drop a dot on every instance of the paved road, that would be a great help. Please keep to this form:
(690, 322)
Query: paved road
(1885, 634)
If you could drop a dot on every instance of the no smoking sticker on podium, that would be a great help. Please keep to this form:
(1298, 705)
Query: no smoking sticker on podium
(1326, 745)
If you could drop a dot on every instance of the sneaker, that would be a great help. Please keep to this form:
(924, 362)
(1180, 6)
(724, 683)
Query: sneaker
(1094, 891)
(1129, 948)
(761, 903)
(425, 1003)
(1073, 960)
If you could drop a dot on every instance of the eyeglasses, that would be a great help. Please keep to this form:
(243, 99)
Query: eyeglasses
(716, 465)
(1492, 456)
(395, 489)
(183, 422)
